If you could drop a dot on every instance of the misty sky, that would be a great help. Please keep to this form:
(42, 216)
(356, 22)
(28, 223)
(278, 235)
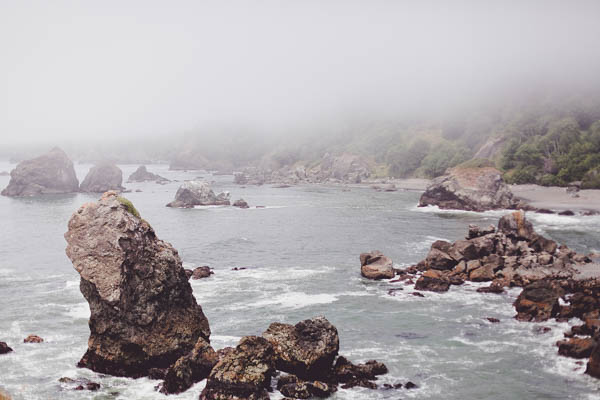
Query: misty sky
(96, 69)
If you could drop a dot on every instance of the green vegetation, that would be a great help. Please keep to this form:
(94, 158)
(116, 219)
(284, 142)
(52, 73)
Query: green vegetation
(129, 206)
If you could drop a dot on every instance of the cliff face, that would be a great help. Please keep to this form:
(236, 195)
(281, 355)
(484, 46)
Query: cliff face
(51, 173)
(143, 312)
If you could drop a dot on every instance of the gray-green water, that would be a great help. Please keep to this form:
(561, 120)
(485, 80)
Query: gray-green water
(301, 252)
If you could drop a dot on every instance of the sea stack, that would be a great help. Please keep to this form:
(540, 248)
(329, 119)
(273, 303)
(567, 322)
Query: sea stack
(102, 178)
(471, 189)
(198, 193)
(143, 312)
(51, 173)
(142, 174)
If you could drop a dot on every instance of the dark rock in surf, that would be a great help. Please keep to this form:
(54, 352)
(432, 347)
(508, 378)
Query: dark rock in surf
(79, 384)
(539, 301)
(198, 193)
(576, 347)
(306, 349)
(51, 173)
(202, 272)
(142, 175)
(102, 178)
(143, 312)
(189, 369)
(241, 203)
(242, 373)
(375, 265)
(4, 348)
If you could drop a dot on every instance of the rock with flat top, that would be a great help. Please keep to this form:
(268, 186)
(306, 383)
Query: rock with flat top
(375, 265)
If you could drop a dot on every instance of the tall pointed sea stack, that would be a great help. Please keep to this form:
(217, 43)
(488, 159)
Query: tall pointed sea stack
(143, 312)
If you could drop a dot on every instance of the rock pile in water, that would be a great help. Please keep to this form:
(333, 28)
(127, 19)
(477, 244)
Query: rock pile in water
(375, 265)
(51, 173)
(198, 193)
(471, 189)
(142, 175)
(143, 312)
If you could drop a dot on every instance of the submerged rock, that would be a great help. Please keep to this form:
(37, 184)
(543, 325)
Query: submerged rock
(51, 173)
(33, 339)
(471, 189)
(375, 265)
(4, 348)
(79, 384)
(306, 349)
(198, 193)
(242, 373)
(141, 175)
(143, 312)
(102, 178)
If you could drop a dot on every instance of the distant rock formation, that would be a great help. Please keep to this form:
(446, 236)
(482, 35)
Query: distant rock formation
(141, 175)
(102, 178)
(241, 203)
(347, 168)
(471, 189)
(198, 193)
(188, 160)
(50, 173)
(143, 312)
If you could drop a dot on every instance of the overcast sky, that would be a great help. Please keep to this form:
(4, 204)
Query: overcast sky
(95, 69)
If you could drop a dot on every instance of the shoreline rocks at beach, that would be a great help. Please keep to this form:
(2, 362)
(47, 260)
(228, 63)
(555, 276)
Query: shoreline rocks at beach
(50, 173)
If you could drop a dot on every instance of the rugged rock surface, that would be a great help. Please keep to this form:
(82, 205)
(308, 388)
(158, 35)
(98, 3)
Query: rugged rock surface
(306, 349)
(242, 373)
(539, 301)
(79, 384)
(102, 178)
(191, 368)
(33, 339)
(143, 312)
(142, 174)
(4, 348)
(471, 189)
(51, 173)
(375, 265)
(202, 272)
(576, 347)
(198, 193)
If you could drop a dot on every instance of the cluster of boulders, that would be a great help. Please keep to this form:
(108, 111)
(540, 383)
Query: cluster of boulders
(198, 193)
(557, 281)
(471, 189)
(346, 168)
(145, 320)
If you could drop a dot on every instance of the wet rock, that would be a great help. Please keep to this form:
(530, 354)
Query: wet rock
(306, 349)
(472, 189)
(243, 373)
(202, 272)
(4, 348)
(576, 347)
(142, 175)
(352, 375)
(191, 368)
(197, 193)
(593, 365)
(79, 384)
(538, 301)
(418, 294)
(102, 178)
(189, 273)
(375, 265)
(33, 339)
(517, 226)
(241, 203)
(293, 387)
(410, 385)
(493, 320)
(51, 173)
(495, 287)
(566, 213)
(143, 312)
(438, 257)
(433, 282)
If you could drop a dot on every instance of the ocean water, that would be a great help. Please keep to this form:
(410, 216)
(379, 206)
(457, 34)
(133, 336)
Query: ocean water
(301, 254)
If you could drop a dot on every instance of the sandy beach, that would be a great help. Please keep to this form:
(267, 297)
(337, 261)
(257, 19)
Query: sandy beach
(556, 198)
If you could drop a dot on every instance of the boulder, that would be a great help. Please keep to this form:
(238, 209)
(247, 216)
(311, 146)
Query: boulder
(79, 384)
(102, 178)
(432, 281)
(141, 175)
(538, 301)
(242, 373)
(593, 365)
(352, 375)
(4, 348)
(576, 347)
(306, 349)
(241, 203)
(51, 173)
(198, 193)
(471, 189)
(33, 339)
(293, 387)
(375, 265)
(191, 368)
(515, 225)
(202, 272)
(143, 312)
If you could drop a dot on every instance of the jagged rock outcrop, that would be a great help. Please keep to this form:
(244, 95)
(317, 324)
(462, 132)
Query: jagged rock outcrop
(51, 173)
(191, 368)
(143, 312)
(306, 349)
(471, 189)
(375, 265)
(142, 175)
(102, 178)
(198, 193)
(242, 373)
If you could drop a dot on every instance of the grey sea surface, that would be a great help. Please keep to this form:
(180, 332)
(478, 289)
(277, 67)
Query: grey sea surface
(301, 257)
